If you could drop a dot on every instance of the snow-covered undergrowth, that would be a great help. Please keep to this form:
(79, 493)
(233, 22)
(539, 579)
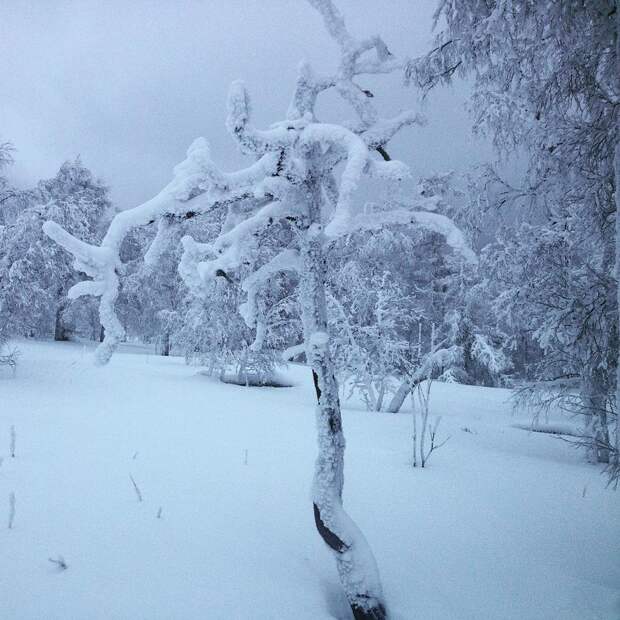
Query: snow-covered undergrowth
(503, 524)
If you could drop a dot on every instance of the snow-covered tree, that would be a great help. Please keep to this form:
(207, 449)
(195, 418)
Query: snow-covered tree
(291, 195)
(547, 285)
(371, 317)
(546, 82)
(152, 293)
(35, 273)
(391, 289)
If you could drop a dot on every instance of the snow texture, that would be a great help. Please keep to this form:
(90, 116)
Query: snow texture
(546, 548)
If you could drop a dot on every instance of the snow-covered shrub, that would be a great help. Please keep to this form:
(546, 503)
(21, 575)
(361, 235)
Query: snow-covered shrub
(424, 436)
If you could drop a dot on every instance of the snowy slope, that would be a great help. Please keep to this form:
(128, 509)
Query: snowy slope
(504, 524)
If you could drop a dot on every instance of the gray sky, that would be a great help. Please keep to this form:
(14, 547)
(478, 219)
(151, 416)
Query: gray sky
(129, 84)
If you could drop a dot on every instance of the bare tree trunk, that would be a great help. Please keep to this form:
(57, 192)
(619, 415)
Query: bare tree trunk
(60, 331)
(356, 565)
(164, 348)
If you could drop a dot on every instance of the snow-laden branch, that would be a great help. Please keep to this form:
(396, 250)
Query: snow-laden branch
(307, 89)
(385, 129)
(192, 177)
(287, 260)
(357, 157)
(354, 61)
(197, 187)
(434, 222)
(334, 23)
(192, 254)
(249, 139)
(100, 263)
(160, 242)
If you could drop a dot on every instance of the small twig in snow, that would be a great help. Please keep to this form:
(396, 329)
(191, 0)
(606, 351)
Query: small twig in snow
(13, 438)
(11, 509)
(159, 513)
(136, 488)
(466, 429)
(60, 562)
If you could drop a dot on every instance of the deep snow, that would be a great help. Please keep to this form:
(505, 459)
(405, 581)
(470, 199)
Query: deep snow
(503, 524)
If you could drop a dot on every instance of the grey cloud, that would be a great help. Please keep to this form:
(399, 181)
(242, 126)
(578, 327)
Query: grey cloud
(129, 85)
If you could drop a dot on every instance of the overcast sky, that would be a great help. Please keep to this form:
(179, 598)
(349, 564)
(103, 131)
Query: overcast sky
(129, 84)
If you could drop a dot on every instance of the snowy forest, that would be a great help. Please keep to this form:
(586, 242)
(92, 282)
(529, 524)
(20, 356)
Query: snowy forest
(412, 245)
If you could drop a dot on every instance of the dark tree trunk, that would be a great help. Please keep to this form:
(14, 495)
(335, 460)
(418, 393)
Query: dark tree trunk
(60, 331)
(165, 345)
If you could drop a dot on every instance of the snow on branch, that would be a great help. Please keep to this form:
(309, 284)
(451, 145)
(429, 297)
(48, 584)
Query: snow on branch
(357, 157)
(287, 260)
(334, 22)
(197, 187)
(385, 129)
(160, 242)
(354, 61)
(272, 189)
(431, 221)
(238, 124)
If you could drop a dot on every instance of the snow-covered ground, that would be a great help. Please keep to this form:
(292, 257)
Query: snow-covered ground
(503, 524)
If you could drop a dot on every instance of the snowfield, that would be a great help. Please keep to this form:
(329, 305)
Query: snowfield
(503, 524)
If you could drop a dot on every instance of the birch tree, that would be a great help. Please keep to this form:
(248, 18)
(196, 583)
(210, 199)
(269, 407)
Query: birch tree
(290, 193)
